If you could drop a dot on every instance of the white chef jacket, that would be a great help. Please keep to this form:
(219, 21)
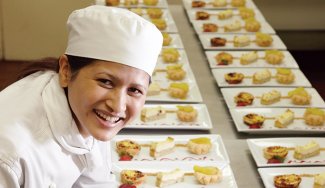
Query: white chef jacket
(40, 145)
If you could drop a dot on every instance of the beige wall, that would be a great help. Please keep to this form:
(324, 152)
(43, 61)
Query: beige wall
(1, 41)
(35, 29)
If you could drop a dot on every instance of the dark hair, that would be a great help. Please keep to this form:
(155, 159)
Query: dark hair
(52, 64)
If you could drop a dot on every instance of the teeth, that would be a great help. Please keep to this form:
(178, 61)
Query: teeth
(107, 118)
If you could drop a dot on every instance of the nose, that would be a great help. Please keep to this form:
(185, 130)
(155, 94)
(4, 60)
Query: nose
(117, 102)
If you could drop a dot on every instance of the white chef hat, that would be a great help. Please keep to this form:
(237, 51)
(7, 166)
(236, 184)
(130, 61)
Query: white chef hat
(114, 34)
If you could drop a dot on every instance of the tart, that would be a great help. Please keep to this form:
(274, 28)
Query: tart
(131, 2)
(241, 41)
(238, 3)
(154, 89)
(175, 72)
(270, 97)
(244, 99)
(235, 26)
(127, 147)
(284, 76)
(161, 148)
(132, 177)
(225, 14)
(170, 55)
(159, 23)
(153, 113)
(234, 77)
(274, 57)
(275, 154)
(112, 2)
(246, 13)
(186, 113)
(207, 174)
(219, 3)
(262, 76)
(263, 39)
(314, 116)
(284, 119)
(248, 58)
(199, 146)
(287, 181)
(178, 90)
(167, 39)
(150, 2)
(197, 4)
(224, 58)
(169, 178)
(252, 25)
(209, 27)
(201, 15)
(311, 149)
(154, 13)
(254, 120)
(299, 96)
(218, 41)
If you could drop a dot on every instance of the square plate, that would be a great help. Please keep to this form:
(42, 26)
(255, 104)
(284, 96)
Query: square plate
(176, 41)
(181, 60)
(160, 73)
(287, 62)
(297, 127)
(203, 121)
(230, 93)
(256, 147)
(217, 152)
(300, 78)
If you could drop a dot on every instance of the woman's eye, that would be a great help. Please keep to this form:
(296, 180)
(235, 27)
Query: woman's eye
(136, 91)
(105, 82)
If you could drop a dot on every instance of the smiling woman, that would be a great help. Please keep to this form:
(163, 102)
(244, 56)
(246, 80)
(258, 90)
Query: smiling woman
(57, 117)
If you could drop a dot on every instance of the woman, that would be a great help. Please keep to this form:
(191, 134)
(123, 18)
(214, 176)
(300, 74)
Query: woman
(53, 126)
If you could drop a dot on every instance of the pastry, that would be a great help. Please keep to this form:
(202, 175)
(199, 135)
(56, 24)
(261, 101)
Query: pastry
(154, 13)
(319, 180)
(207, 174)
(252, 25)
(244, 99)
(170, 55)
(167, 39)
(158, 149)
(248, 58)
(112, 2)
(246, 13)
(150, 2)
(261, 76)
(234, 26)
(209, 27)
(253, 120)
(311, 149)
(284, 119)
(241, 41)
(201, 15)
(219, 3)
(131, 2)
(199, 146)
(275, 154)
(153, 113)
(234, 77)
(299, 96)
(263, 39)
(274, 57)
(270, 97)
(175, 72)
(287, 181)
(186, 113)
(314, 116)
(196, 4)
(224, 58)
(154, 89)
(159, 23)
(128, 148)
(132, 177)
(178, 90)
(218, 41)
(284, 76)
(238, 3)
(138, 11)
(225, 14)
(169, 178)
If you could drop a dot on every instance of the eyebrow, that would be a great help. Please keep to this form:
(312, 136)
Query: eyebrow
(119, 80)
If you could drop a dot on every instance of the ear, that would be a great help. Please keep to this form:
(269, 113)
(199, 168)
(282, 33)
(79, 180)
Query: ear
(64, 71)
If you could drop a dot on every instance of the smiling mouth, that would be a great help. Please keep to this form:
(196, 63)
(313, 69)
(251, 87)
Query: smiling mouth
(111, 119)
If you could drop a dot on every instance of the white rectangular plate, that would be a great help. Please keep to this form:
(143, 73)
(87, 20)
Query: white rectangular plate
(188, 5)
(205, 41)
(287, 62)
(227, 181)
(267, 175)
(298, 126)
(161, 74)
(176, 41)
(198, 27)
(230, 93)
(256, 147)
(300, 78)
(214, 15)
(182, 58)
(203, 121)
(181, 154)
(161, 4)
